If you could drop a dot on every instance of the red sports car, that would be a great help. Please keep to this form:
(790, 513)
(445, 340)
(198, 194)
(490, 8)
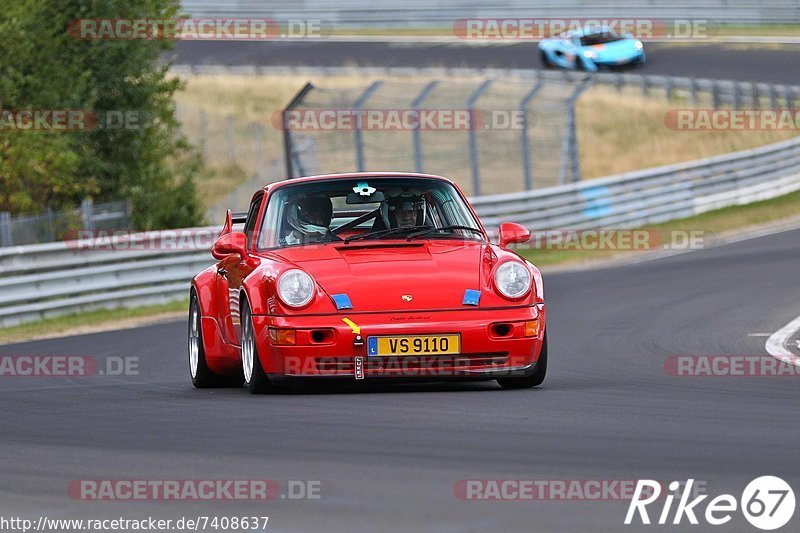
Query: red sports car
(362, 277)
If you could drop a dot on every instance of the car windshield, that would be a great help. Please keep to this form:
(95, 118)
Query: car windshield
(365, 209)
(601, 37)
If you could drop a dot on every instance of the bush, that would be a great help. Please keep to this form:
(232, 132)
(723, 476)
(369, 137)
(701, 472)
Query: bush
(43, 66)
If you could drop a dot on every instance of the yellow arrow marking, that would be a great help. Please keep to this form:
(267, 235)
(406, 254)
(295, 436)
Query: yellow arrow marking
(356, 329)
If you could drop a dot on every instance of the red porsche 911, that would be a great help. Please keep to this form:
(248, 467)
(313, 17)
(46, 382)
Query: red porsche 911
(366, 276)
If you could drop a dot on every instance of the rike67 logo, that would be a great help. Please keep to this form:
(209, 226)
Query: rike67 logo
(767, 502)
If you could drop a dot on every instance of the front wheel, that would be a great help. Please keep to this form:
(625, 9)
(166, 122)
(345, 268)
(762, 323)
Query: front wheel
(545, 60)
(535, 379)
(255, 379)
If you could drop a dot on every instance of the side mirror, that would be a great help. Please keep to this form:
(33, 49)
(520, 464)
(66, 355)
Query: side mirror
(229, 244)
(512, 233)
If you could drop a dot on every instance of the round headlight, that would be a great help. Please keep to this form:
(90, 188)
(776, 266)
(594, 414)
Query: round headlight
(638, 45)
(296, 288)
(512, 279)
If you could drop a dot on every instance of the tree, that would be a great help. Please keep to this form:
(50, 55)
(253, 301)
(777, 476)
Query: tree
(45, 66)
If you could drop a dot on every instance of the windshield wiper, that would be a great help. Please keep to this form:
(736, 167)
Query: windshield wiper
(443, 228)
(380, 233)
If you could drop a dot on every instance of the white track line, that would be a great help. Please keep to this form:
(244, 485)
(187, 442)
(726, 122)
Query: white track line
(776, 344)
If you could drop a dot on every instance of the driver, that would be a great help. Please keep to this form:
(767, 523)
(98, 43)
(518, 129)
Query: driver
(310, 220)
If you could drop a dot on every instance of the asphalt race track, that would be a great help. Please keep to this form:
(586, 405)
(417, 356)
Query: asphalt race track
(764, 63)
(391, 455)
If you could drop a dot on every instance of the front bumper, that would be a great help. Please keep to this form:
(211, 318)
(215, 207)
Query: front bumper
(638, 58)
(336, 353)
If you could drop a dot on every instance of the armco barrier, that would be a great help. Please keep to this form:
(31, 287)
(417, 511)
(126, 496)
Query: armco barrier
(51, 279)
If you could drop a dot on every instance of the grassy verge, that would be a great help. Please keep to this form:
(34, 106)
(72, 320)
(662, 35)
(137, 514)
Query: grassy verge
(718, 222)
(87, 322)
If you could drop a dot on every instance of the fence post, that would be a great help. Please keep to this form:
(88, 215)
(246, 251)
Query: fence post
(737, 97)
(473, 136)
(773, 97)
(668, 88)
(756, 95)
(51, 231)
(6, 235)
(359, 136)
(288, 152)
(86, 214)
(416, 133)
(788, 94)
(714, 94)
(526, 154)
(693, 88)
(569, 152)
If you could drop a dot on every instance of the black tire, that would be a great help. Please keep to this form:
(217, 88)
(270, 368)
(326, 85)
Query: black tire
(255, 379)
(579, 66)
(545, 60)
(202, 377)
(535, 379)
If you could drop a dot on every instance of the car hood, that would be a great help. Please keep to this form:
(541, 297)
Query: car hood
(381, 276)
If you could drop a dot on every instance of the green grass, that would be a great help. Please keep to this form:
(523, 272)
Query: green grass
(72, 323)
(712, 223)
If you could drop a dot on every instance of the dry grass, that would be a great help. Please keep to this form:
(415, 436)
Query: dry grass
(249, 100)
(622, 132)
(616, 133)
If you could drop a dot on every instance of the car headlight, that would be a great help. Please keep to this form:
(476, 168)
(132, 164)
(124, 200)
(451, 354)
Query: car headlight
(590, 54)
(512, 279)
(296, 288)
(638, 45)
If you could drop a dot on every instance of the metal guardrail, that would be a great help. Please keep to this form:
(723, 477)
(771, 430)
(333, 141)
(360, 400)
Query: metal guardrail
(51, 279)
(442, 13)
(41, 281)
(654, 195)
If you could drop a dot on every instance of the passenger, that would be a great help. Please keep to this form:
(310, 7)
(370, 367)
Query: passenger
(405, 212)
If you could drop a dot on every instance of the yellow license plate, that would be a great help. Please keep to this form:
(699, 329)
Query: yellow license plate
(414, 345)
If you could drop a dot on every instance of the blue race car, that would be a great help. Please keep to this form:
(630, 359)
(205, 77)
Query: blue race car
(591, 48)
